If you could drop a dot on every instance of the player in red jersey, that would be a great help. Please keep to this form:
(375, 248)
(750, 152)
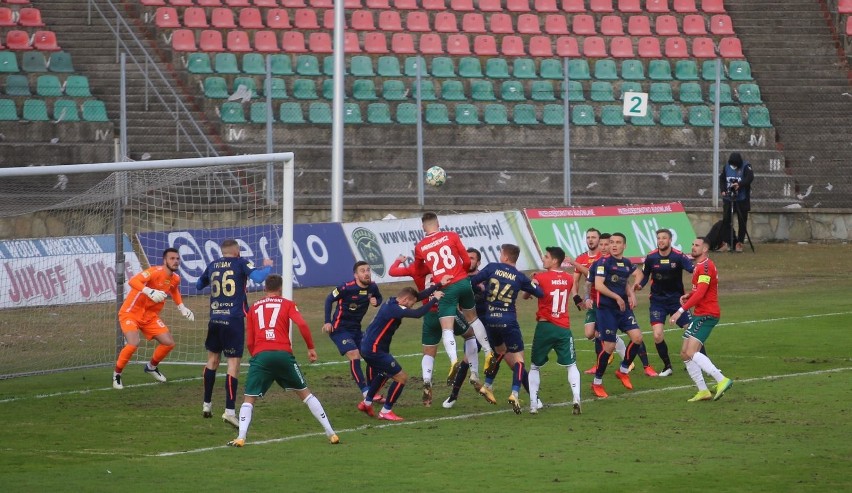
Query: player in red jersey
(704, 299)
(553, 330)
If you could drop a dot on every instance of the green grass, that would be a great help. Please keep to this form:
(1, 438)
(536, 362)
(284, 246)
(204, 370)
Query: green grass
(784, 337)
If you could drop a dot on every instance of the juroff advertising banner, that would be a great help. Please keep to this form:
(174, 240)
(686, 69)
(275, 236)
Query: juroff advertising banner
(566, 227)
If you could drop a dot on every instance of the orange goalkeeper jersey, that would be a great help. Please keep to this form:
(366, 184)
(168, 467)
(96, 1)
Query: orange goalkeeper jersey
(138, 304)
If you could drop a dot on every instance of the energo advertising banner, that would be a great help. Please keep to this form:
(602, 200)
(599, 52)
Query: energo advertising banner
(566, 227)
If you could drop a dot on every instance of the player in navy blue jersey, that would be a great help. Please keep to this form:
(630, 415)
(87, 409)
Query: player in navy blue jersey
(375, 347)
(504, 283)
(343, 325)
(616, 300)
(664, 267)
(227, 278)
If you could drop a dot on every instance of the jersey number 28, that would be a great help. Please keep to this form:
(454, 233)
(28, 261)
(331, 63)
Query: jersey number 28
(441, 261)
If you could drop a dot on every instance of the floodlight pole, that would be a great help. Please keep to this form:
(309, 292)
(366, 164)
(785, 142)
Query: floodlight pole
(566, 133)
(337, 115)
(421, 200)
(714, 179)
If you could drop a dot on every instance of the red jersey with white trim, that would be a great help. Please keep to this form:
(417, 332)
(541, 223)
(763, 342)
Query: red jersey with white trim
(705, 290)
(138, 304)
(553, 307)
(415, 270)
(268, 325)
(586, 261)
(443, 253)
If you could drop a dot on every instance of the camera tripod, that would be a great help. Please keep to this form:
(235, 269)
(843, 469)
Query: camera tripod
(732, 244)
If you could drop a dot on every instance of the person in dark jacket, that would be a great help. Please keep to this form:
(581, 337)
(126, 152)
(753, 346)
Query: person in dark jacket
(735, 184)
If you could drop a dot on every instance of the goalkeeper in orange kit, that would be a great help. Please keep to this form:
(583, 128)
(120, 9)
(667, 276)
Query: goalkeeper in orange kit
(141, 313)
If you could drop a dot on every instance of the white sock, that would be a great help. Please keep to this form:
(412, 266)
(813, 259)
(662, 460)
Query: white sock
(449, 341)
(620, 348)
(708, 366)
(470, 352)
(695, 374)
(426, 365)
(481, 335)
(319, 413)
(245, 419)
(535, 384)
(230, 412)
(574, 381)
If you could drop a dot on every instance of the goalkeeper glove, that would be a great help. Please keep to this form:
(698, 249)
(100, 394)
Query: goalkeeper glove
(156, 295)
(186, 312)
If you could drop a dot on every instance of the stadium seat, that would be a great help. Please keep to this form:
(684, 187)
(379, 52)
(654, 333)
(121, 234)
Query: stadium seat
(725, 96)
(65, 110)
(291, 113)
(639, 25)
(167, 18)
(305, 19)
(266, 41)
(434, 5)
(660, 92)
(649, 47)
(375, 43)
(490, 5)
(462, 5)
(467, 114)
(621, 47)
(211, 41)
(379, 114)
(402, 44)
(601, 91)
(632, 70)
(33, 62)
(686, 70)
(605, 70)
(281, 64)
(183, 40)
(575, 91)
(250, 18)
(473, 23)
(583, 25)
(541, 47)
(500, 24)
(351, 44)
(758, 117)
(8, 110)
(671, 115)
(278, 89)
(394, 90)
(602, 6)
(270, 4)
(566, 46)
(417, 21)
(452, 90)
(294, 42)
(307, 65)
(628, 86)
(327, 90)
(690, 93)
(436, 114)
(659, 70)
(693, 25)
(458, 44)
(328, 65)
(427, 90)
(405, 4)
(445, 22)
(555, 24)
(551, 69)
(237, 3)
(713, 6)
(200, 3)
(390, 20)
(749, 94)
(629, 6)
(512, 90)
(245, 84)
(496, 114)
(573, 6)
(406, 113)
(443, 67)
(320, 114)
(482, 90)
(258, 113)
(8, 63)
(582, 115)
(361, 66)
(195, 18)
(524, 68)
(524, 114)
(364, 90)
(512, 46)
(666, 25)
(497, 68)
(470, 68)
(238, 42)
(17, 85)
(305, 89)
(611, 25)
(730, 116)
(849, 25)
(277, 19)
(223, 18)
(35, 110)
(700, 116)
(485, 45)
(528, 24)
(411, 66)
(703, 48)
(388, 66)
(676, 48)
(18, 40)
(518, 5)
(643, 121)
(578, 69)
(612, 116)
(657, 6)
(59, 61)
(684, 6)
(708, 70)
(7, 17)
(740, 70)
(731, 48)
(594, 47)
(362, 20)
(553, 114)
(147, 3)
(545, 6)
(328, 20)
(542, 90)
(226, 63)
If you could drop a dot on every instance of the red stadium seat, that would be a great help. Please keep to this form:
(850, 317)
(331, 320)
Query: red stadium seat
(721, 25)
(147, 3)
(567, 47)
(322, 4)
(731, 48)
(30, 17)
(676, 48)
(389, 20)
(209, 3)
(518, 5)
(375, 43)
(328, 19)
(485, 45)
(405, 4)
(223, 18)
(211, 40)
(703, 48)
(693, 25)
(718, 7)
(45, 41)
(378, 4)
(277, 19)
(238, 42)
(362, 20)
(430, 44)
(166, 17)
(685, 6)
(350, 4)
(195, 18)
(317, 42)
(250, 18)
(629, 6)
(849, 26)
(473, 23)
(657, 6)
(305, 19)
(458, 44)
(583, 25)
(293, 4)
(512, 46)
(594, 47)
(445, 22)
(540, 46)
(402, 44)
(7, 18)
(621, 47)
(555, 24)
(611, 25)
(351, 44)
(462, 5)
(294, 42)
(490, 6)
(434, 5)
(266, 41)
(573, 6)
(639, 25)
(528, 24)
(270, 4)
(417, 22)
(173, 3)
(501, 24)
(238, 3)
(666, 25)
(546, 6)
(183, 40)
(604, 6)
(649, 47)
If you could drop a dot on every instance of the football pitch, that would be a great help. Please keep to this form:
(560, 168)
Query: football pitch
(784, 338)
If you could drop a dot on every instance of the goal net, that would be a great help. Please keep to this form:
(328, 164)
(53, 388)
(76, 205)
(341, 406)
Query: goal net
(66, 230)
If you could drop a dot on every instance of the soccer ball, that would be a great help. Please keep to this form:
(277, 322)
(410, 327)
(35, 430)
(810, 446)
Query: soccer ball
(436, 176)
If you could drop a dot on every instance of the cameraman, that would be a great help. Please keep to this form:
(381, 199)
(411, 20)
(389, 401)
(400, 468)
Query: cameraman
(735, 184)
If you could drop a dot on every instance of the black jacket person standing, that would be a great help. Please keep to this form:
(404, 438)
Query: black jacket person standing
(735, 184)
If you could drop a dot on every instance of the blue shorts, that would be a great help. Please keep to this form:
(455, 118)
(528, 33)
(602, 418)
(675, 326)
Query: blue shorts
(382, 363)
(508, 333)
(661, 311)
(226, 335)
(610, 321)
(347, 339)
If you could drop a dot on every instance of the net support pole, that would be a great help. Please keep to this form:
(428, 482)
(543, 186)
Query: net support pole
(566, 137)
(288, 189)
(421, 200)
(716, 108)
(118, 210)
(337, 116)
(270, 167)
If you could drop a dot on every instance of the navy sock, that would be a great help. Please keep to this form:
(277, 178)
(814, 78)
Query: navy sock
(394, 391)
(498, 360)
(459, 381)
(517, 376)
(598, 346)
(231, 392)
(663, 351)
(603, 361)
(631, 353)
(526, 381)
(209, 382)
(643, 354)
(375, 385)
(358, 375)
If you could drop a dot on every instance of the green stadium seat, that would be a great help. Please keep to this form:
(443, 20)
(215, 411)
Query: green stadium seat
(612, 116)
(690, 93)
(512, 90)
(328, 89)
(364, 90)
(232, 112)
(257, 112)
(730, 116)
(17, 85)
(629, 87)
(496, 114)
(605, 70)
(452, 90)
(700, 116)
(708, 70)
(215, 87)
(482, 90)
(724, 93)
(48, 86)
(60, 62)
(659, 70)
(8, 63)
(601, 91)
(307, 65)
(643, 121)
(305, 89)
(411, 67)
(749, 94)
(65, 110)
(582, 114)
(578, 69)
(551, 69)
(671, 115)
(661, 92)
(394, 90)
(524, 68)
(470, 68)
(279, 88)
(406, 113)
(388, 66)
(352, 113)
(758, 117)
(542, 90)
(94, 110)
(553, 114)
(35, 110)
(443, 67)
(248, 83)
(33, 61)
(8, 110)
(281, 64)
(436, 114)
(254, 64)
(226, 63)
(319, 113)
(199, 63)
(427, 90)
(739, 70)
(686, 70)
(467, 114)
(497, 68)
(575, 91)
(328, 66)
(291, 113)
(361, 66)
(524, 114)
(379, 114)
(632, 70)
(77, 86)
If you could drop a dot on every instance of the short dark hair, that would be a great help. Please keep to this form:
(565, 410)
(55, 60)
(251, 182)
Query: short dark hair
(358, 264)
(407, 291)
(621, 235)
(605, 236)
(666, 231)
(593, 230)
(476, 251)
(556, 253)
(230, 242)
(511, 251)
(170, 250)
(273, 283)
(429, 216)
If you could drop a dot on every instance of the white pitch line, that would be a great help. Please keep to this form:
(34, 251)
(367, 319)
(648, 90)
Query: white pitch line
(489, 413)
